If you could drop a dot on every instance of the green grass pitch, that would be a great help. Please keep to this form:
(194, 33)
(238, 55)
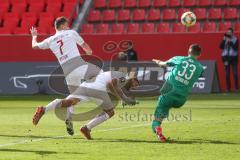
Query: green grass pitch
(207, 127)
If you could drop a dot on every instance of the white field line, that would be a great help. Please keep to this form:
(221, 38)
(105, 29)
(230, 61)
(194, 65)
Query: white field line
(59, 137)
(29, 141)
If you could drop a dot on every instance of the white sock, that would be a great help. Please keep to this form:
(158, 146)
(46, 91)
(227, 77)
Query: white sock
(70, 111)
(52, 105)
(97, 120)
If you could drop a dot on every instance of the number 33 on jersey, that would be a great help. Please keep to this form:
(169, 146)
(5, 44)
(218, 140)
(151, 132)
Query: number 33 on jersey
(186, 71)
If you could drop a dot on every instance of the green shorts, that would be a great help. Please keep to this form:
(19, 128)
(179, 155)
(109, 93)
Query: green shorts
(169, 98)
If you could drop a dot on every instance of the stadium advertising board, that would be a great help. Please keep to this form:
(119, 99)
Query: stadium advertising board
(33, 78)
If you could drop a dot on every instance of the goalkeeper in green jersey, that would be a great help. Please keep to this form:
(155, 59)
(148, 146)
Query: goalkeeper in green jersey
(174, 92)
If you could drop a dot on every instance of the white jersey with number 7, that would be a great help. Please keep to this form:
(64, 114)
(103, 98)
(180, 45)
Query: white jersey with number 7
(63, 44)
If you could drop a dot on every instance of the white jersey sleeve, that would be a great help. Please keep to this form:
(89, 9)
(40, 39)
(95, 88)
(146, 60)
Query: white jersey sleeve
(77, 38)
(44, 44)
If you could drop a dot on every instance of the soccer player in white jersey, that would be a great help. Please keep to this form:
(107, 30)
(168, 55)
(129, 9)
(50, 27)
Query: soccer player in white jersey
(100, 91)
(64, 46)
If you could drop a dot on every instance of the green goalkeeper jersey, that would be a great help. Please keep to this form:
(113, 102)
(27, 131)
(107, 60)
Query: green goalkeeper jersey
(185, 72)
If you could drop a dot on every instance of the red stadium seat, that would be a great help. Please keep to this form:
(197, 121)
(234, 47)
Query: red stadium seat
(21, 31)
(54, 8)
(70, 1)
(215, 14)
(132, 28)
(102, 28)
(220, 3)
(223, 26)
(11, 23)
(35, 1)
(28, 23)
(87, 28)
(181, 11)
(10, 15)
(68, 7)
(5, 31)
(46, 20)
(201, 13)
(94, 16)
(108, 15)
(204, 3)
(13, 2)
(178, 27)
(237, 27)
(144, 3)
(130, 3)
(5, 1)
(174, 3)
(52, 30)
(28, 19)
(189, 3)
(139, 15)
(209, 27)
(196, 28)
(11, 20)
(81, 1)
(36, 7)
(46, 15)
(234, 3)
(154, 15)
(169, 14)
(163, 27)
(4, 7)
(43, 31)
(115, 3)
(118, 28)
(65, 14)
(19, 8)
(100, 3)
(148, 28)
(53, 1)
(123, 15)
(230, 13)
(46, 24)
(160, 3)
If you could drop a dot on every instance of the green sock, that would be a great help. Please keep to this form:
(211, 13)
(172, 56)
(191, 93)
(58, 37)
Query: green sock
(155, 124)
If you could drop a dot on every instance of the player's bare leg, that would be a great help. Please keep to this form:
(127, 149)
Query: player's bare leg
(86, 130)
(69, 103)
(52, 105)
(68, 121)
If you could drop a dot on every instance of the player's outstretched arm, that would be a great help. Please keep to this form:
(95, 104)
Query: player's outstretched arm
(114, 87)
(34, 38)
(160, 63)
(86, 48)
(38, 45)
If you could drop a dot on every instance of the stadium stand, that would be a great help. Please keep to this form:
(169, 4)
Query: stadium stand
(160, 16)
(17, 16)
(120, 16)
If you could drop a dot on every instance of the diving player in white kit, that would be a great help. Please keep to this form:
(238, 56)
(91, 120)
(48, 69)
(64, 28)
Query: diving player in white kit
(100, 91)
(64, 46)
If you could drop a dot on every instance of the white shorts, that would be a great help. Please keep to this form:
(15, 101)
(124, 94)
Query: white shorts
(96, 93)
(76, 76)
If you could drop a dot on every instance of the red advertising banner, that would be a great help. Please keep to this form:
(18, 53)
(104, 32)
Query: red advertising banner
(148, 46)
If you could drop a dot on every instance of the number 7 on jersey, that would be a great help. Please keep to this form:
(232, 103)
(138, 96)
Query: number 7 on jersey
(60, 47)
